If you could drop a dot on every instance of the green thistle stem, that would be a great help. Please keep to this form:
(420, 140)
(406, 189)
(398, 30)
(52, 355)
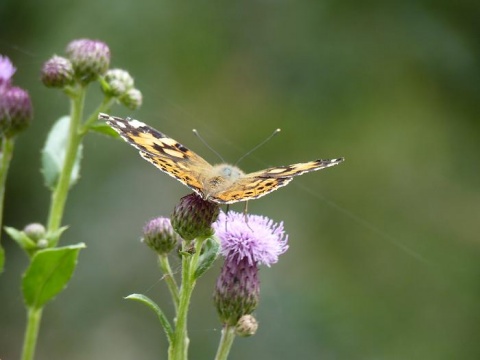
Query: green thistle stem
(226, 341)
(5, 158)
(31, 333)
(59, 195)
(179, 347)
(169, 279)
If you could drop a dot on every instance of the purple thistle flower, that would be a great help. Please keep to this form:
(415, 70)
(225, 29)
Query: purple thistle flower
(6, 71)
(246, 242)
(254, 237)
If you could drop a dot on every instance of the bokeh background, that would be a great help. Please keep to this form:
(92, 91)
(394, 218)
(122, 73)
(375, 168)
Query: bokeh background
(384, 258)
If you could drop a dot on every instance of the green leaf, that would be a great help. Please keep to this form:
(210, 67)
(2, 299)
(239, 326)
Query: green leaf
(53, 154)
(161, 316)
(103, 128)
(48, 274)
(2, 259)
(20, 238)
(210, 252)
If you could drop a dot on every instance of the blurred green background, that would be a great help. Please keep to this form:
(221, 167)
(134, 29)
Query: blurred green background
(384, 258)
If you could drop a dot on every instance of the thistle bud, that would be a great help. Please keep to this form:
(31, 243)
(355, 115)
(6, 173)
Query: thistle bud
(132, 99)
(119, 82)
(57, 72)
(159, 235)
(237, 290)
(193, 217)
(246, 326)
(90, 58)
(15, 110)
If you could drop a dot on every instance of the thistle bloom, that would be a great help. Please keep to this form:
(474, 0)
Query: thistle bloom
(256, 238)
(6, 71)
(159, 235)
(246, 243)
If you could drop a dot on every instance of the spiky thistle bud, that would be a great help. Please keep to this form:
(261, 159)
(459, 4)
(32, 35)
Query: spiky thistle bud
(119, 82)
(159, 235)
(57, 72)
(15, 110)
(132, 99)
(246, 326)
(90, 58)
(237, 291)
(193, 217)
(246, 243)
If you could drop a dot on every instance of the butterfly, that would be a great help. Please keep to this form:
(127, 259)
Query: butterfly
(222, 183)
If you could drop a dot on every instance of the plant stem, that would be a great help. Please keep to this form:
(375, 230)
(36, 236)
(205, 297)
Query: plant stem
(31, 333)
(179, 348)
(5, 158)
(226, 341)
(169, 279)
(59, 195)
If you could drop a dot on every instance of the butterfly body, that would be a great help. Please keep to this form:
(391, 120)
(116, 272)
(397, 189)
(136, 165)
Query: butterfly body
(222, 183)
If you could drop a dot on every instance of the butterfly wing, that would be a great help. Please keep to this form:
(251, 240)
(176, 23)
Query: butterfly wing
(162, 151)
(260, 183)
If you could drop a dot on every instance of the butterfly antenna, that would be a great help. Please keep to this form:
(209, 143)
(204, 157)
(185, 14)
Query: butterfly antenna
(207, 145)
(259, 145)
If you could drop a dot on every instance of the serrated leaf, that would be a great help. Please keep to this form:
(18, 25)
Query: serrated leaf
(53, 154)
(161, 316)
(103, 128)
(48, 274)
(210, 252)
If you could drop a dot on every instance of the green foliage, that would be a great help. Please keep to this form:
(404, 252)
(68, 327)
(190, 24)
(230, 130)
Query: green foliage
(53, 154)
(210, 252)
(152, 305)
(48, 274)
(102, 128)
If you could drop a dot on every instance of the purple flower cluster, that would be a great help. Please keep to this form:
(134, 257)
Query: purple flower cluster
(252, 237)
(246, 241)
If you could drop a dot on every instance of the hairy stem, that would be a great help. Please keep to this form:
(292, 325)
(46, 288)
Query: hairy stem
(226, 341)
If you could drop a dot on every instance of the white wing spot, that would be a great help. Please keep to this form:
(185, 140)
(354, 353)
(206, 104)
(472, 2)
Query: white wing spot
(136, 124)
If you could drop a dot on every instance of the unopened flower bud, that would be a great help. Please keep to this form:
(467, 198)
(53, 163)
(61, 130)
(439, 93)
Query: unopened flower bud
(159, 235)
(237, 290)
(57, 72)
(132, 99)
(90, 58)
(246, 326)
(193, 217)
(35, 231)
(119, 82)
(15, 110)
